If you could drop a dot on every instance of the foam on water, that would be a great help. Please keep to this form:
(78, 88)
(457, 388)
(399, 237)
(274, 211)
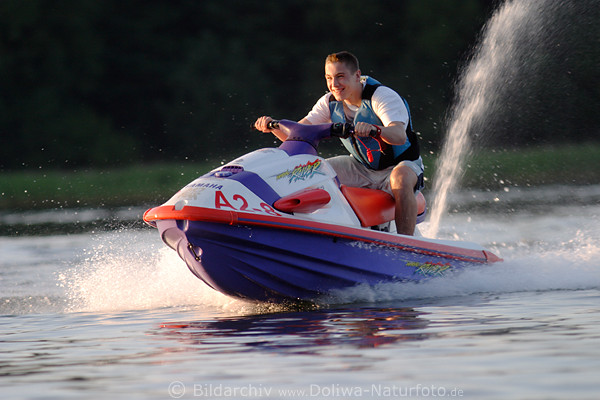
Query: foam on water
(544, 249)
(127, 272)
(534, 267)
(131, 270)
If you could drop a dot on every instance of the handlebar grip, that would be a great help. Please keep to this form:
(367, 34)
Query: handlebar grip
(341, 130)
(274, 124)
(376, 132)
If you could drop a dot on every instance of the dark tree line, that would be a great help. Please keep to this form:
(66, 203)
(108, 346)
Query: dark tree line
(107, 82)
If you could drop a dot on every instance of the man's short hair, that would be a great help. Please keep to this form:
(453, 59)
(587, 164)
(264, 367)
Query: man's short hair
(344, 57)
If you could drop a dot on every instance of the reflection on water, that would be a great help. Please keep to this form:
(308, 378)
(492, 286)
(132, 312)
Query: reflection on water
(302, 332)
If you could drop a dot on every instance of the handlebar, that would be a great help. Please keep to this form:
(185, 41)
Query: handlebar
(304, 138)
(338, 129)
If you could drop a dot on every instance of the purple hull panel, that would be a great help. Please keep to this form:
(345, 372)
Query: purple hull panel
(263, 264)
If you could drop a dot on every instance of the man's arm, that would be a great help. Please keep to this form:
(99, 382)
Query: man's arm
(393, 113)
(394, 133)
(262, 124)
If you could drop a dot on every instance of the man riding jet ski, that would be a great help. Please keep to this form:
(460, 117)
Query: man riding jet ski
(390, 159)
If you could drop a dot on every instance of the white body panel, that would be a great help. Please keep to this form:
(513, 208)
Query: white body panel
(284, 174)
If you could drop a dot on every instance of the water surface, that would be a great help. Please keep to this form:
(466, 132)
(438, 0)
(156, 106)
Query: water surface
(116, 314)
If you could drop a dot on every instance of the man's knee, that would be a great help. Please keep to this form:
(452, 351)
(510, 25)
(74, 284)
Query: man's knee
(403, 177)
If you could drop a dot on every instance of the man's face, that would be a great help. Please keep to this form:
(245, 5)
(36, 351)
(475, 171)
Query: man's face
(341, 82)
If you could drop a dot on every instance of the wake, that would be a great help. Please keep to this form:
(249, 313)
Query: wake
(529, 265)
(540, 254)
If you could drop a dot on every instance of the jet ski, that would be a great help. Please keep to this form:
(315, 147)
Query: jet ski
(275, 225)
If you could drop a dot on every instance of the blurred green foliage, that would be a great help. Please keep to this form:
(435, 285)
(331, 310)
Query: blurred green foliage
(152, 184)
(108, 82)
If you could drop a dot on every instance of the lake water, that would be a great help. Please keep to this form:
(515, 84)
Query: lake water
(115, 314)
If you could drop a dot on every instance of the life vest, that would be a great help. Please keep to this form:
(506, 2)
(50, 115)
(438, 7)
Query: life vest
(390, 154)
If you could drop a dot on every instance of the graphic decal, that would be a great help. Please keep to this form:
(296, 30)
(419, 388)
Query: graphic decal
(430, 269)
(301, 172)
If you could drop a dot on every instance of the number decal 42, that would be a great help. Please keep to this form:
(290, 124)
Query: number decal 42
(239, 203)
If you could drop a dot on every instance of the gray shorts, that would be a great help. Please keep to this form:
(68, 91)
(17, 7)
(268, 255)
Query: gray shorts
(352, 173)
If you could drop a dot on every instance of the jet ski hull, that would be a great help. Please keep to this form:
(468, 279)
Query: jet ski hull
(256, 260)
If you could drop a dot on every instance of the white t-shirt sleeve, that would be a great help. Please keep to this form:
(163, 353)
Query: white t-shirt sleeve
(389, 106)
(320, 113)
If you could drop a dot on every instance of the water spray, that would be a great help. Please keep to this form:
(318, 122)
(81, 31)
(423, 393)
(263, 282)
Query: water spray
(494, 64)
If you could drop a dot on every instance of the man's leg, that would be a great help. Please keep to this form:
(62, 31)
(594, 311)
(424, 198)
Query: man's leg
(402, 183)
(349, 171)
